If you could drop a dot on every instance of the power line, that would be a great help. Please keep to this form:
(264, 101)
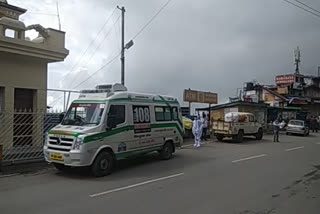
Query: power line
(99, 45)
(117, 35)
(102, 67)
(44, 14)
(304, 4)
(90, 76)
(136, 35)
(88, 47)
(91, 43)
(302, 8)
(152, 18)
(94, 52)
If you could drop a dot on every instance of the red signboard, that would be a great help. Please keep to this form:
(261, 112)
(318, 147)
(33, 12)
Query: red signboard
(285, 79)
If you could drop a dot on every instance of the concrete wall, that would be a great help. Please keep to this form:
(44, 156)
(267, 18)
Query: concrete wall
(18, 71)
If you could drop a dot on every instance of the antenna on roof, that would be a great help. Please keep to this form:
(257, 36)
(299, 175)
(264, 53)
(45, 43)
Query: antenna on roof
(297, 60)
(58, 15)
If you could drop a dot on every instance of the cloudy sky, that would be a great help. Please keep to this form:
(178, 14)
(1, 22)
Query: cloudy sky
(210, 45)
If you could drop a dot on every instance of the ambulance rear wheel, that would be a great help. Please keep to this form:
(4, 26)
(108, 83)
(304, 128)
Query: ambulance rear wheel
(166, 152)
(103, 164)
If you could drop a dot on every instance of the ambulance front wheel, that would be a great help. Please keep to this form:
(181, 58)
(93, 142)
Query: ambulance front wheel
(167, 151)
(103, 164)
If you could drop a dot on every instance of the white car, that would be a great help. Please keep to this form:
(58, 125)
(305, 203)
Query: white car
(297, 127)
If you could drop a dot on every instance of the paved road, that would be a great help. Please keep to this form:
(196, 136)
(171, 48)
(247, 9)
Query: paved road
(252, 177)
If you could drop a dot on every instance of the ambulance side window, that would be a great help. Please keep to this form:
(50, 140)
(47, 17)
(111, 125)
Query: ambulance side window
(167, 114)
(163, 113)
(159, 113)
(116, 115)
(175, 113)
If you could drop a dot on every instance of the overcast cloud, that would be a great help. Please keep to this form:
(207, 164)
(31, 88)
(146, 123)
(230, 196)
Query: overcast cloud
(210, 45)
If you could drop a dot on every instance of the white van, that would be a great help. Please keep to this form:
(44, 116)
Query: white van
(108, 124)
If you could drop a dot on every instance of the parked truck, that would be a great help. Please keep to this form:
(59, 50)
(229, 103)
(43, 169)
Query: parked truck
(237, 125)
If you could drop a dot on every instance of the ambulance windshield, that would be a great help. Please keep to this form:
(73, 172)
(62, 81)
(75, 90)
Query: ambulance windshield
(84, 114)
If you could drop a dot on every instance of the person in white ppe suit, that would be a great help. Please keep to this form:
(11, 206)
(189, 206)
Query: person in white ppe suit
(197, 131)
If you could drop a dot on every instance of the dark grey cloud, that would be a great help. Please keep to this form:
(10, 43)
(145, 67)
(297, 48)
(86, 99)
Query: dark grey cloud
(206, 45)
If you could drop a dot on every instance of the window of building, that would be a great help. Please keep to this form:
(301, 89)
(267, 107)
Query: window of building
(9, 33)
(163, 114)
(24, 98)
(116, 115)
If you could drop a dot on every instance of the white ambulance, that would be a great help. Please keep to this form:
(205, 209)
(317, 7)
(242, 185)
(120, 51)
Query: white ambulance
(109, 123)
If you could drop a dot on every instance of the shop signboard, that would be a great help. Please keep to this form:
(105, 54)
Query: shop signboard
(285, 79)
(200, 97)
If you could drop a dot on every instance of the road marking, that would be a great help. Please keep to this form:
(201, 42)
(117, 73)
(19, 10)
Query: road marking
(135, 185)
(295, 148)
(248, 158)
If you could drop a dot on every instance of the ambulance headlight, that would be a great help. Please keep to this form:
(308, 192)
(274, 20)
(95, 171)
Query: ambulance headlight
(77, 144)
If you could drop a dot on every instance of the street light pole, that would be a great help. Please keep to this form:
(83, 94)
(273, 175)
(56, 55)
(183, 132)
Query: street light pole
(122, 58)
(123, 46)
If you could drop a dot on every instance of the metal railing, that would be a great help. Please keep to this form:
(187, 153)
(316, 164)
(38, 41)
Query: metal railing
(22, 134)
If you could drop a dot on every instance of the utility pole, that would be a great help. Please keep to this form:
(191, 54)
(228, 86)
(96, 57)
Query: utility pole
(123, 47)
(318, 71)
(123, 10)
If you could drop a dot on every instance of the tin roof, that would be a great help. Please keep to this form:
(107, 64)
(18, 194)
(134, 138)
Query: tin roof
(227, 105)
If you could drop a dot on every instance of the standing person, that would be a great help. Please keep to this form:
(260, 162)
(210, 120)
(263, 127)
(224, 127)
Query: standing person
(277, 125)
(204, 127)
(317, 123)
(276, 129)
(313, 123)
(197, 131)
(308, 120)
